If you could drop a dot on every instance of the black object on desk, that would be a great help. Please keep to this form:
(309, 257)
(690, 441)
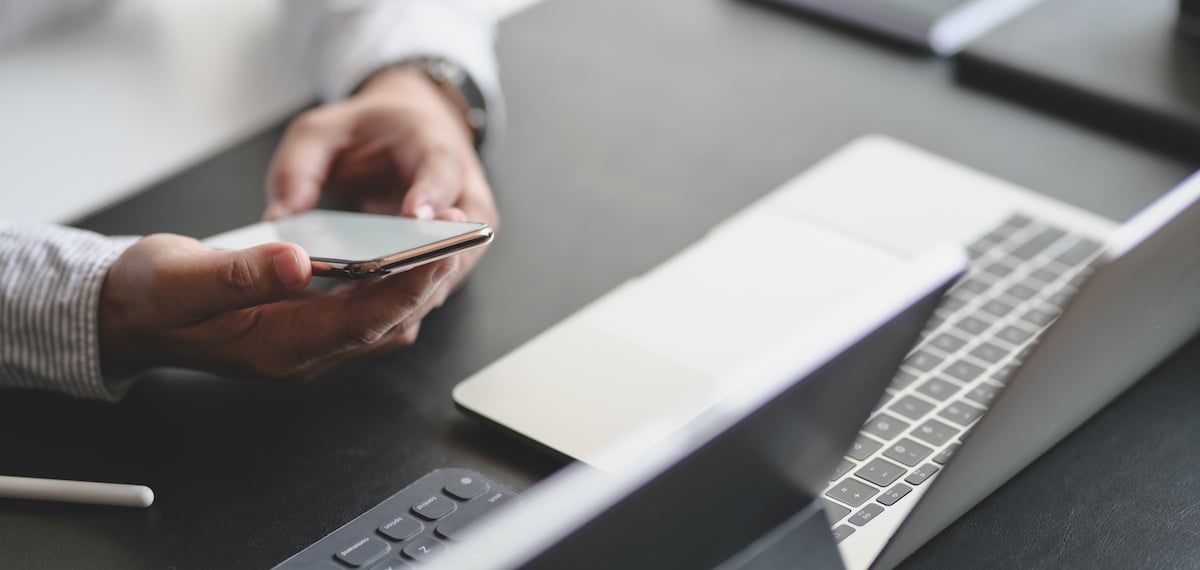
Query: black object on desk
(1120, 65)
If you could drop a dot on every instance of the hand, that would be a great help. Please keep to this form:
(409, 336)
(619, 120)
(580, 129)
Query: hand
(171, 301)
(399, 146)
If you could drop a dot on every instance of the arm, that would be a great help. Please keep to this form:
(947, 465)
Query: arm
(50, 285)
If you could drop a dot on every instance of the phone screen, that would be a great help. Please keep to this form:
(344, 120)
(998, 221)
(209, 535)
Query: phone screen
(346, 236)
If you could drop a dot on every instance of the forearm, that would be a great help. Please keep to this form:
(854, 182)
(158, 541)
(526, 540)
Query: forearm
(50, 284)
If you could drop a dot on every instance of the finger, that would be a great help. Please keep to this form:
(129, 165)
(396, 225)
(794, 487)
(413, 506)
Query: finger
(437, 183)
(452, 215)
(364, 317)
(303, 161)
(210, 282)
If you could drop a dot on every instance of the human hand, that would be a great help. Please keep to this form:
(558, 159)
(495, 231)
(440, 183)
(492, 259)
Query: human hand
(171, 301)
(398, 146)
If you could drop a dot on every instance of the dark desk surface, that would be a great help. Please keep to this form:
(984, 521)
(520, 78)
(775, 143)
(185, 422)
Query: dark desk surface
(634, 126)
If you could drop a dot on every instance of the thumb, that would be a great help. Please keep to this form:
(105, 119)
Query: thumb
(221, 281)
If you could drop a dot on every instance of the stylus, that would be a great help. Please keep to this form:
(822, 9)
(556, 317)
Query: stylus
(76, 491)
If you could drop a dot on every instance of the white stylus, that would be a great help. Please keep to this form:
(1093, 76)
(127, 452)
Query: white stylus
(76, 491)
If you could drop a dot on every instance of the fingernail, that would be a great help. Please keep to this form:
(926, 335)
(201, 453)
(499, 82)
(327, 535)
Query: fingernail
(425, 212)
(290, 268)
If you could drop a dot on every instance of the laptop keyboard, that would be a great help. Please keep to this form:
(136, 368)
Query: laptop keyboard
(408, 528)
(1019, 277)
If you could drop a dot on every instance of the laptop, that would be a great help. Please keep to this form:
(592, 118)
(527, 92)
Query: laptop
(679, 505)
(1037, 265)
(942, 26)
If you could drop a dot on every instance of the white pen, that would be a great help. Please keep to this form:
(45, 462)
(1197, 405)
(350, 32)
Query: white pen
(76, 491)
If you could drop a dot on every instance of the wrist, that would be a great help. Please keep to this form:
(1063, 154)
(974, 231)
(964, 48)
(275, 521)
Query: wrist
(454, 86)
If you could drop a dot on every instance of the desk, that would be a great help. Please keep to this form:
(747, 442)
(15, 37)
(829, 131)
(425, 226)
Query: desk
(635, 126)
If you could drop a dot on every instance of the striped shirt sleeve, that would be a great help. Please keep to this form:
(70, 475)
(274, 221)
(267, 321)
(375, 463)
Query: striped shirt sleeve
(50, 282)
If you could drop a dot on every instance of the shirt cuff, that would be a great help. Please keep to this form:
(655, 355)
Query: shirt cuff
(49, 309)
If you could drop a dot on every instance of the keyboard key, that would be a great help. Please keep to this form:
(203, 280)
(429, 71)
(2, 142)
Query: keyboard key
(964, 371)
(937, 388)
(911, 407)
(423, 548)
(434, 508)
(1045, 274)
(401, 528)
(902, 379)
(880, 472)
(984, 393)
(1018, 221)
(1078, 253)
(952, 303)
(944, 457)
(498, 498)
(841, 469)
(1021, 291)
(923, 361)
(852, 492)
(1059, 299)
(989, 352)
(977, 248)
(947, 342)
(971, 325)
(363, 551)
(999, 269)
(863, 447)
(466, 488)
(834, 512)
(921, 474)
(887, 397)
(393, 564)
(840, 533)
(1003, 374)
(1040, 317)
(1014, 335)
(997, 308)
(886, 426)
(961, 413)
(890, 496)
(935, 432)
(452, 527)
(1038, 243)
(908, 452)
(865, 514)
(971, 285)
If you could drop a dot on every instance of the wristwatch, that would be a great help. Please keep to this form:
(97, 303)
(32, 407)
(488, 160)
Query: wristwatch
(457, 84)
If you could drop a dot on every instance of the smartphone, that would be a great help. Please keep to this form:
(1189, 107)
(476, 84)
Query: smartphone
(361, 246)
